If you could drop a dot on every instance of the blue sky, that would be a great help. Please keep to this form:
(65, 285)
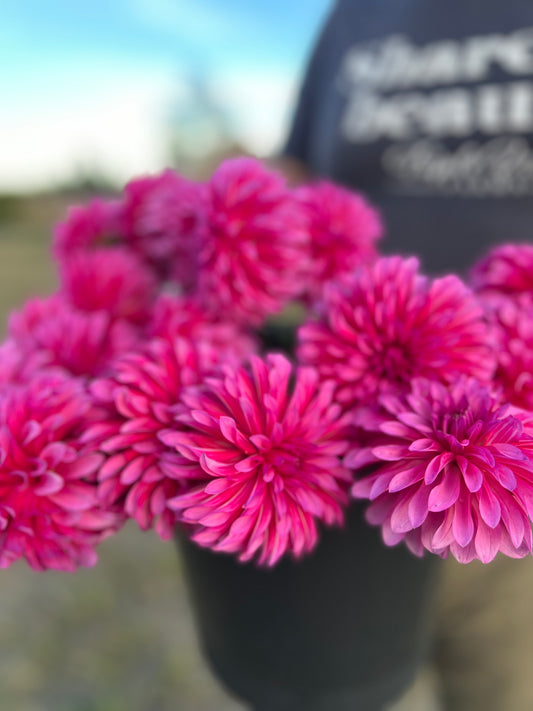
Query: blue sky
(90, 84)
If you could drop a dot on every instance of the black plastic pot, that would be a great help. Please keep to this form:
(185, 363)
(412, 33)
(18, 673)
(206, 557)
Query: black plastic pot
(344, 629)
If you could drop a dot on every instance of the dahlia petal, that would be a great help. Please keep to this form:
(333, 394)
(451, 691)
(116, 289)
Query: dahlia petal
(359, 458)
(516, 523)
(391, 537)
(132, 471)
(487, 543)
(217, 486)
(489, 507)
(56, 452)
(436, 465)
(248, 464)
(193, 514)
(443, 535)
(112, 466)
(73, 499)
(445, 494)
(158, 501)
(110, 491)
(85, 465)
(380, 484)
(472, 475)
(400, 521)
(49, 483)
(405, 479)
(418, 506)
(505, 476)
(510, 451)
(463, 523)
(164, 526)
(390, 452)
(464, 555)
(379, 510)
(424, 445)
(395, 429)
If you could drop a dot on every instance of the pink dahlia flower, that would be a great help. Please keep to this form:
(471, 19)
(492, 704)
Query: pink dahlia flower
(265, 443)
(452, 473)
(140, 474)
(388, 324)
(49, 513)
(254, 244)
(175, 316)
(96, 223)
(507, 269)
(113, 280)
(161, 215)
(17, 366)
(512, 323)
(343, 230)
(82, 343)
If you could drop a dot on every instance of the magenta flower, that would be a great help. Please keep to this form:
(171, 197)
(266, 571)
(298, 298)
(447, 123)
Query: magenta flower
(113, 279)
(96, 223)
(265, 443)
(453, 472)
(343, 230)
(512, 327)
(140, 474)
(49, 513)
(507, 269)
(161, 215)
(389, 324)
(254, 243)
(82, 343)
(175, 316)
(17, 366)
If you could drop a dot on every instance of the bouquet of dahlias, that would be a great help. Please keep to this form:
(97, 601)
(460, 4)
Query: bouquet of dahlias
(144, 388)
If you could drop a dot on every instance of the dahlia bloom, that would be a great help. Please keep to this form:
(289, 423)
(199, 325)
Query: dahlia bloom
(82, 343)
(161, 215)
(113, 279)
(388, 324)
(96, 223)
(253, 243)
(343, 229)
(49, 513)
(17, 366)
(175, 316)
(266, 453)
(452, 472)
(507, 269)
(140, 474)
(511, 320)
